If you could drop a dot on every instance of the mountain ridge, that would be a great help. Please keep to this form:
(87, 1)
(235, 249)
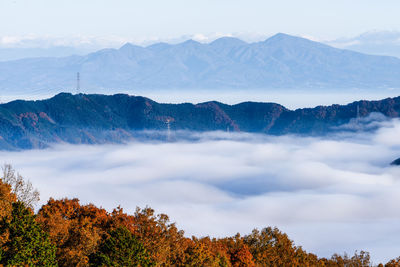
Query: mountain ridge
(98, 119)
(281, 61)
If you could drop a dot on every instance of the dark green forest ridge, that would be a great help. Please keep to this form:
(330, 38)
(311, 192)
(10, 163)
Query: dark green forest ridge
(97, 119)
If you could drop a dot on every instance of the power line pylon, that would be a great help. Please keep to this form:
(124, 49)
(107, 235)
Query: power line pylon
(168, 129)
(78, 83)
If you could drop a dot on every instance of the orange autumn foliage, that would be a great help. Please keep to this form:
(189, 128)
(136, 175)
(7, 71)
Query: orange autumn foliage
(7, 198)
(238, 252)
(165, 243)
(76, 230)
(270, 247)
(393, 263)
(206, 252)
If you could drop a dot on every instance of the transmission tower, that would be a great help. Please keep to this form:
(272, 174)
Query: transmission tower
(78, 83)
(168, 129)
(358, 113)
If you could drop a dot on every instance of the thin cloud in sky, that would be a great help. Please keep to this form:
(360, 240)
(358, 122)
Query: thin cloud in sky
(330, 194)
(179, 17)
(113, 41)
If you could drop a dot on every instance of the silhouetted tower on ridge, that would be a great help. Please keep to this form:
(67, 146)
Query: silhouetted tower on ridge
(168, 129)
(358, 113)
(78, 83)
(357, 119)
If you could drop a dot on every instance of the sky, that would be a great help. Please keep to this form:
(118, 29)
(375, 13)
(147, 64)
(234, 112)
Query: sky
(330, 194)
(165, 20)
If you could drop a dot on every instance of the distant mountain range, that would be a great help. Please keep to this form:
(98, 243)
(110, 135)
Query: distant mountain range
(97, 119)
(282, 61)
(8, 54)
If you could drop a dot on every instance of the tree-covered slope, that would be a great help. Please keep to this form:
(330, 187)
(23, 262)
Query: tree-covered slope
(91, 119)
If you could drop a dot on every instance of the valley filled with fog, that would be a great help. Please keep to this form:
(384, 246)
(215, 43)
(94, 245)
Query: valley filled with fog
(226, 116)
(330, 194)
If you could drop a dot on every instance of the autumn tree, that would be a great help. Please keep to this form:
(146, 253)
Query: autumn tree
(164, 242)
(361, 259)
(22, 188)
(26, 244)
(206, 252)
(302, 258)
(21, 239)
(238, 251)
(393, 263)
(271, 247)
(86, 234)
(76, 230)
(122, 249)
(7, 198)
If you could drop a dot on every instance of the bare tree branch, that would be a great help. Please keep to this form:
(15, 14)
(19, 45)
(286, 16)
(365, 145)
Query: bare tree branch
(21, 188)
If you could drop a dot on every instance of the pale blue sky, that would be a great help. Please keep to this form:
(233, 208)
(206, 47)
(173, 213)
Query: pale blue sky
(174, 18)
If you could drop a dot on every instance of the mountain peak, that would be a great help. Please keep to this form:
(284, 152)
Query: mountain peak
(159, 46)
(128, 46)
(284, 37)
(131, 50)
(190, 42)
(281, 40)
(227, 42)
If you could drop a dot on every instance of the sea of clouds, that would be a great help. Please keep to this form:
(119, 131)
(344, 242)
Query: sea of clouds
(330, 194)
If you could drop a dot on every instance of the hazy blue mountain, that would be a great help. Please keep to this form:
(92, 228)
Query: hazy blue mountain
(15, 53)
(282, 61)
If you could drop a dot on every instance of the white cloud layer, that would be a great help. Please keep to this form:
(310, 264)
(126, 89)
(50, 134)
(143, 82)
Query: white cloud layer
(331, 194)
(113, 41)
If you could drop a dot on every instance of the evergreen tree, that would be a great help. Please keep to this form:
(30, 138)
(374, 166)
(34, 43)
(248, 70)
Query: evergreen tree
(121, 248)
(26, 244)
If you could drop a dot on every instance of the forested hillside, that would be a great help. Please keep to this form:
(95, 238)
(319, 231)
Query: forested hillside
(96, 119)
